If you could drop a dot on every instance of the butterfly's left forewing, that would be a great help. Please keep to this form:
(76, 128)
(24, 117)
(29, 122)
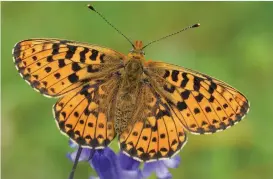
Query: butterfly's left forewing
(203, 104)
(54, 66)
(85, 78)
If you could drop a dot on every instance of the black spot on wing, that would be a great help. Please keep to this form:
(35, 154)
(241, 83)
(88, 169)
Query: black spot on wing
(208, 109)
(185, 94)
(181, 105)
(94, 55)
(199, 97)
(175, 75)
(185, 80)
(94, 143)
(169, 89)
(162, 113)
(47, 69)
(211, 99)
(196, 83)
(73, 78)
(167, 73)
(91, 69)
(200, 130)
(61, 63)
(70, 52)
(75, 67)
(55, 48)
(196, 110)
(48, 59)
(82, 54)
(35, 58)
(102, 58)
(57, 75)
(212, 87)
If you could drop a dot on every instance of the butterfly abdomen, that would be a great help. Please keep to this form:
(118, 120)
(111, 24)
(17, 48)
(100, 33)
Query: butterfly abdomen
(125, 106)
(122, 118)
(127, 95)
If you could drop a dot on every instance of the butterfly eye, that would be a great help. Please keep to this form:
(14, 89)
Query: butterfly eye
(131, 51)
(142, 53)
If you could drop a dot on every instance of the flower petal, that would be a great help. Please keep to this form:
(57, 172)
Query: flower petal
(72, 144)
(127, 163)
(148, 169)
(162, 171)
(105, 162)
(161, 168)
(85, 154)
(131, 174)
(172, 162)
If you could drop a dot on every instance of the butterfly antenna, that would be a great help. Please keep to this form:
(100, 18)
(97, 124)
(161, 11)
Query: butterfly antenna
(192, 26)
(71, 176)
(93, 9)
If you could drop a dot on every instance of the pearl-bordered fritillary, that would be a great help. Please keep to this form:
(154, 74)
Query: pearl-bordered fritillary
(103, 93)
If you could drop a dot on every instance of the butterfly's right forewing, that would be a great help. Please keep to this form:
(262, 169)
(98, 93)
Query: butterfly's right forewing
(203, 104)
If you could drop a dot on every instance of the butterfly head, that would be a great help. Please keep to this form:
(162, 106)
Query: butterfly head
(137, 52)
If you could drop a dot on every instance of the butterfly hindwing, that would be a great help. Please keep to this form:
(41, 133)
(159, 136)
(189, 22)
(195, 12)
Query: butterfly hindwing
(202, 103)
(55, 67)
(83, 114)
(157, 134)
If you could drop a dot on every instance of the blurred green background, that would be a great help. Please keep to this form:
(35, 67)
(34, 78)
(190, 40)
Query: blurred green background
(234, 44)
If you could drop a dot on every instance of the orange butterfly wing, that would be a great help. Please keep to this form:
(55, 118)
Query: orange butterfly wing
(83, 74)
(55, 67)
(83, 114)
(157, 134)
(203, 104)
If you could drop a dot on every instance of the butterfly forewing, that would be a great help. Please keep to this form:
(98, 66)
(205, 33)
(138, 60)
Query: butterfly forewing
(55, 67)
(202, 103)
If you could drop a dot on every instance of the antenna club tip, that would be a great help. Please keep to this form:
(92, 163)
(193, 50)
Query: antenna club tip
(91, 7)
(196, 25)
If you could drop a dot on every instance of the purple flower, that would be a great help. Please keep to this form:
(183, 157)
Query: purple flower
(161, 167)
(107, 164)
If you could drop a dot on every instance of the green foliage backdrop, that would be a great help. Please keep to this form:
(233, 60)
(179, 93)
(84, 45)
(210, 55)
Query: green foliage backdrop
(234, 44)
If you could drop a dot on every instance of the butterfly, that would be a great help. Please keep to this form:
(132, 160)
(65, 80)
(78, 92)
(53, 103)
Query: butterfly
(102, 94)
